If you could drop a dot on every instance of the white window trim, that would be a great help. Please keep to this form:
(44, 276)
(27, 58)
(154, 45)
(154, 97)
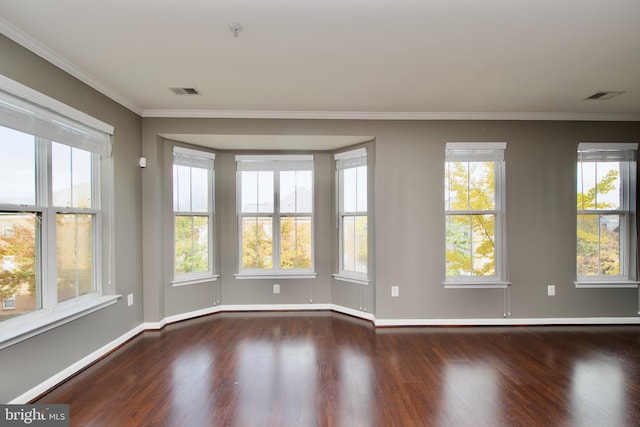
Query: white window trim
(500, 279)
(276, 164)
(627, 259)
(204, 160)
(97, 138)
(348, 160)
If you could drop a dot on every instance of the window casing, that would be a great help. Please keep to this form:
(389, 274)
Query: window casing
(474, 214)
(351, 184)
(193, 212)
(275, 216)
(56, 194)
(605, 223)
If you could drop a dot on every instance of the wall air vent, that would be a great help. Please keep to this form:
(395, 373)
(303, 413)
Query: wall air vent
(604, 95)
(185, 90)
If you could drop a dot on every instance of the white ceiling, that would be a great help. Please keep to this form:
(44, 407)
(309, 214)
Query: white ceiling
(345, 58)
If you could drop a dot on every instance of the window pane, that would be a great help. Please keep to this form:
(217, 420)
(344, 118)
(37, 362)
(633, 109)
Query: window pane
(17, 167)
(295, 191)
(199, 190)
(349, 243)
(75, 255)
(71, 176)
(265, 191)
(361, 244)
(598, 245)
(481, 185)
(458, 240)
(457, 197)
(470, 245)
(182, 184)
(586, 185)
(483, 246)
(257, 191)
(191, 244)
(349, 190)
(295, 242)
(19, 281)
(361, 173)
(257, 240)
(608, 185)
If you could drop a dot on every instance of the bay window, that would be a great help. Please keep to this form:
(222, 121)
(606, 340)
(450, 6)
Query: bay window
(275, 215)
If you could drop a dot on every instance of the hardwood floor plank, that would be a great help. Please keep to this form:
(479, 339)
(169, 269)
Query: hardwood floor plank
(327, 369)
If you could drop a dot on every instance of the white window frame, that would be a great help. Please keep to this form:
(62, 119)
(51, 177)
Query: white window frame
(275, 164)
(28, 111)
(205, 160)
(348, 160)
(6, 307)
(483, 151)
(626, 153)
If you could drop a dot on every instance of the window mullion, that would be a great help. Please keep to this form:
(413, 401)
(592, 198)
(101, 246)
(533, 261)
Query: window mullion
(49, 249)
(275, 235)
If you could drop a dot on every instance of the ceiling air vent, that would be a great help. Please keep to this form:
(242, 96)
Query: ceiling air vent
(604, 95)
(185, 90)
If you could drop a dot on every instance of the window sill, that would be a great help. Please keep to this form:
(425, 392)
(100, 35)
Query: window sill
(497, 284)
(13, 331)
(350, 279)
(194, 280)
(251, 276)
(604, 284)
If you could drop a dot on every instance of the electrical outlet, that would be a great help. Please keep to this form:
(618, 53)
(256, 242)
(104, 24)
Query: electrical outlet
(276, 288)
(551, 290)
(130, 300)
(395, 291)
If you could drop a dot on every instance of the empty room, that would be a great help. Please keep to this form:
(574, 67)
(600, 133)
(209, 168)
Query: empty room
(319, 213)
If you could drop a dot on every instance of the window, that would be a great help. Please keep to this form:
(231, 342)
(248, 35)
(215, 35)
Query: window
(474, 214)
(9, 303)
(275, 221)
(55, 198)
(351, 171)
(606, 180)
(193, 203)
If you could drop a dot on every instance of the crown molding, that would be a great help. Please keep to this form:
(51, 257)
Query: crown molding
(370, 115)
(64, 64)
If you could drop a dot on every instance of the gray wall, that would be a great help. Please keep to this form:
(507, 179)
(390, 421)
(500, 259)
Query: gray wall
(28, 363)
(407, 199)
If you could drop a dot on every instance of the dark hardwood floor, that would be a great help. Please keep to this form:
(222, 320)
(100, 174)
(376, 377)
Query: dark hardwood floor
(327, 369)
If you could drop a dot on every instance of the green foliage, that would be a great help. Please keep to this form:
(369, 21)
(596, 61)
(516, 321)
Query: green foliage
(192, 244)
(20, 244)
(256, 243)
(470, 245)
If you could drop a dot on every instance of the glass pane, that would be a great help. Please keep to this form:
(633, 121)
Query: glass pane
(361, 189)
(484, 251)
(349, 243)
(295, 242)
(296, 192)
(288, 191)
(257, 240)
(481, 185)
(75, 255)
(608, 185)
(361, 244)
(19, 283)
(199, 190)
(81, 178)
(191, 244)
(586, 181)
(458, 245)
(349, 190)
(182, 183)
(17, 167)
(71, 176)
(265, 191)
(458, 188)
(610, 245)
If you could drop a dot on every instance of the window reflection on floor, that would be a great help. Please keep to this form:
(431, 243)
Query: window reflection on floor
(191, 391)
(276, 382)
(471, 396)
(597, 393)
(355, 385)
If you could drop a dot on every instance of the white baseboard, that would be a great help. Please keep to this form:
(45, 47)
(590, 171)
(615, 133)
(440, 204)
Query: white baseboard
(76, 367)
(102, 351)
(510, 321)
